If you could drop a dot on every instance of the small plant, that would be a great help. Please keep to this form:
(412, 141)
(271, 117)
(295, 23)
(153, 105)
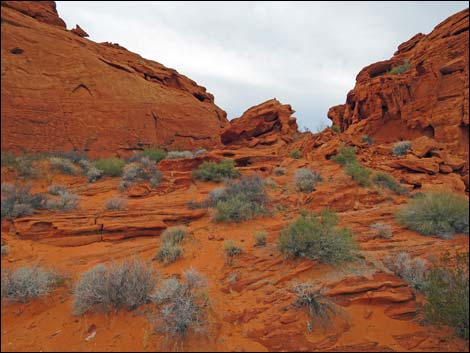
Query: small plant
(25, 168)
(168, 253)
(382, 230)
(447, 294)
(360, 174)
(400, 69)
(182, 305)
(231, 248)
(90, 171)
(260, 238)
(18, 201)
(412, 271)
(436, 213)
(56, 189)
(279, 171)
(174, 235)
(389, 182)
(400, 148)
(179, 154)
(240, 200)
(216, 171)
(306, 180)
(63, 166)
(320, 308)
(26, 283)
(66, 201)
(111, 167)
(5, 250)
(336, 129)
(295, 154)
(367, 139)
(8, 159)
(200, 152)
(345, 155)
(116, 204)
(154, 154)
(317, 237)
(126, 284)
(143, 170)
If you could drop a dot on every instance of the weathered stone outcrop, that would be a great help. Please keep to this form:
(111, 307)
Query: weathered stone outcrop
(263, 124)
(61, 91)
(429, 97)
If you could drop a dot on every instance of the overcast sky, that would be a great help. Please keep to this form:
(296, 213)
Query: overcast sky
(304, 54)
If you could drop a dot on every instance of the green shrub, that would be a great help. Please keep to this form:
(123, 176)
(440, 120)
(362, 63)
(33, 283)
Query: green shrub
(389, 182)
(306, 180)
(25, 168)
(5, 250)
(231, 248)
(345, 155)
(216, 171)
(168, 253)
(182, 305)
(26, 283)
(400, 68)
(56, 189)
(367, 139)
(240, 200)
(412, 271)
(154, 154)
(382, 230)
(260, 238)
(336, 129)
(295, 154)
(8, 159)
(174, 235)
(116, 204)
(279, 171)
(436, 213)
(400, 148)
(127, 284)
(200, 152)
(317, 237)
(63, 166)
(111, 167)
(18, 201)
(360, 174)
(179, 154)
(90, 171)
(447, 294)
(143, 170)
(65, 201)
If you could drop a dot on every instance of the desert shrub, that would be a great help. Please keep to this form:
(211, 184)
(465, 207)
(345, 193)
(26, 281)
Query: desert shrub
(182, 305)
(154, 154)
(360, 174)
(26, 283)
(143, 170)
(260, 238)
(90, 171)
(382, 230)
(345, 155)
(447, 294)
(18, 201)
(367, 139)
(295, 154)
(389, 182)
(25, 168)
(116, 203)
(306, 179)
(168, 253)
(231, 248)
(8, 159)
(5, 250)
(336, 128)
(63, 166)
(400, 68)
(279, 171)
(56, 189)
(200, 152)
(216, 171)
(317, 237)
(241, 200)
(400, 148)
(73, 156)
(412, 271)
(111, 167)
(65, 201)
(126, 284)
(179, 154)
(436, 213)
(320, 308)
(174, 235)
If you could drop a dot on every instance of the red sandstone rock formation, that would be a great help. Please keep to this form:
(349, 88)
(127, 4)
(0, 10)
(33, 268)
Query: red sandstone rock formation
(60, 91)
(79, 31)
(430, 98)
(262, 124)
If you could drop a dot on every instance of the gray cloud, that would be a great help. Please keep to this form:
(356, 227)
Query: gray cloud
(304, 54)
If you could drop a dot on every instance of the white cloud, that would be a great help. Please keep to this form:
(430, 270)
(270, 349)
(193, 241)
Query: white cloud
(305, 54)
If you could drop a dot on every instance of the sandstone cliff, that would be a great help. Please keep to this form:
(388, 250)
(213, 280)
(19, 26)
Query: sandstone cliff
(62, 91)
